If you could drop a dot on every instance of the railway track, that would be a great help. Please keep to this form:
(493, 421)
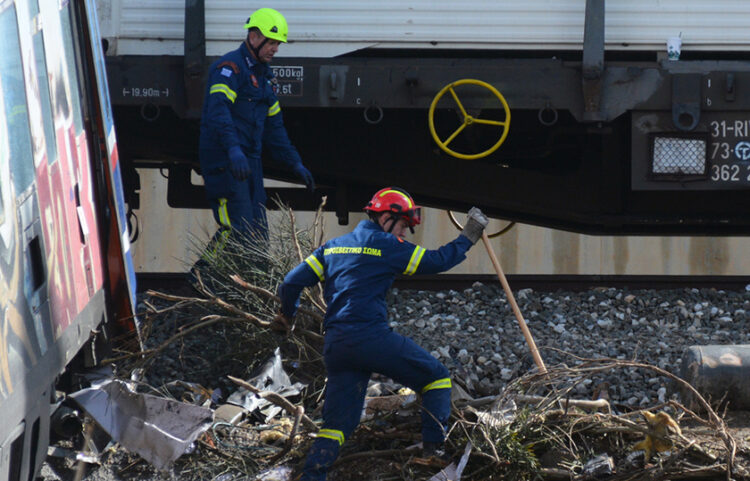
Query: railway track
(177, 282)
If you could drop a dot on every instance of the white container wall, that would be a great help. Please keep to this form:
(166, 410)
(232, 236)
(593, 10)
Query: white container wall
(168, 244)
(327, 28)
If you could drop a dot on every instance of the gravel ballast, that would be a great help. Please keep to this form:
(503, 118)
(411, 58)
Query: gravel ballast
(476, 335)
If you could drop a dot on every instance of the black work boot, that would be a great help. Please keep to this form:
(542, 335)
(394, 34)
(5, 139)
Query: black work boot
(435, 450)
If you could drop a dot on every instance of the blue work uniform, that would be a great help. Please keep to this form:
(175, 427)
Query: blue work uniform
(357, 270)
(241, 109)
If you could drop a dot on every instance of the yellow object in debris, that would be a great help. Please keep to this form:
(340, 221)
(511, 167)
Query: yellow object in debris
(278, 432)
(660, 426)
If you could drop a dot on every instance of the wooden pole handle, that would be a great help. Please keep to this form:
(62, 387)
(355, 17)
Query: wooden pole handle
(514, 305)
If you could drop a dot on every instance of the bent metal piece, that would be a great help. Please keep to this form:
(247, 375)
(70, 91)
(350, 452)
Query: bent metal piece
(514, 305)
(468, 119)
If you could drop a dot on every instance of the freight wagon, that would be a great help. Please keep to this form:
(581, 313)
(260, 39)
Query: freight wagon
(564, 113)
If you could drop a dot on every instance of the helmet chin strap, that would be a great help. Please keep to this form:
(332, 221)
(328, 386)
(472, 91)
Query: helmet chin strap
(393, 219)
(256, 51)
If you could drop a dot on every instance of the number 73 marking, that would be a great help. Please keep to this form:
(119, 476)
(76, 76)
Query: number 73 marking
(723, 149)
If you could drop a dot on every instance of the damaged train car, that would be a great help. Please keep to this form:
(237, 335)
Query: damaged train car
(66, 276)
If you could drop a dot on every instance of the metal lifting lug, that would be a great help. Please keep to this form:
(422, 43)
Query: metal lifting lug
(686, 101)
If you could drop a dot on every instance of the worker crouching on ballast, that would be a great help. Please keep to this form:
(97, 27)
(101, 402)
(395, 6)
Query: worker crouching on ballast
(357, 270)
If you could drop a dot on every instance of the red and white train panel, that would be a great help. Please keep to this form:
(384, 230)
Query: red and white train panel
(65, 265)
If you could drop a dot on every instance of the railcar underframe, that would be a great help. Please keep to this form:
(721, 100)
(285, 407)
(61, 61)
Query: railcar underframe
(582, 153)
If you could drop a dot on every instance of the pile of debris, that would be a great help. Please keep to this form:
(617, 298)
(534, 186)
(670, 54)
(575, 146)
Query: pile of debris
(221, 391)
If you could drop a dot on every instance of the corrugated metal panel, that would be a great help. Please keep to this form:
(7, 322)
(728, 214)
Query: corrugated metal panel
(331, 27)
(523, 250)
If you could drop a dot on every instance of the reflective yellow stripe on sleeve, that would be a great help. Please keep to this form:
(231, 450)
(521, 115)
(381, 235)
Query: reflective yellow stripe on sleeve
(416, 258)
(274, 109)
(444, 383)
(316, 266)
(334, 434)
(224, 89)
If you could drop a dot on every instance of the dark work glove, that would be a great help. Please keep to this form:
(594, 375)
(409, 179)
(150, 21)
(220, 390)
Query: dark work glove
(305, 176)
(238, 164)
(475, 224)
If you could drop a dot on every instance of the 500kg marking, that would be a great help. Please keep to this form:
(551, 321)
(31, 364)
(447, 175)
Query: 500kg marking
(284, 72)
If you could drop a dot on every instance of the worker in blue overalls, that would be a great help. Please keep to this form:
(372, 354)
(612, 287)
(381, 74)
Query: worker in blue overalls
(241, 115)
(357, 270)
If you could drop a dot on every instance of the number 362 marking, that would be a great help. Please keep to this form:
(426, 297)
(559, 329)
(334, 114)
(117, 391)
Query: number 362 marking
(729, 173)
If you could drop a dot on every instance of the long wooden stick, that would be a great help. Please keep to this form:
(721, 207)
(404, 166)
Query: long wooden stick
(514, 305)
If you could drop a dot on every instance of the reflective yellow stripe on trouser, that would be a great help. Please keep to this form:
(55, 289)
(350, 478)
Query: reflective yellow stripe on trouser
(224, 214)
(274, 109)
(444, 383)
(334, 434)
(219, 242)
(416, 258)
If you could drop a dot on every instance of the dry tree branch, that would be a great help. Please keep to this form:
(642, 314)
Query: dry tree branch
(269, 295)
(213, 301)
(295, 240)
(319, 222)
(690, 413)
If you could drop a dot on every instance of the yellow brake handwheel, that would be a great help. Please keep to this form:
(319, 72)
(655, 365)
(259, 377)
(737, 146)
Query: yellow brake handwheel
(468, 119)
(458, 225)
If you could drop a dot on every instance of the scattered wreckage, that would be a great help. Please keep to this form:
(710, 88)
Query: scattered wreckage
(260, 426)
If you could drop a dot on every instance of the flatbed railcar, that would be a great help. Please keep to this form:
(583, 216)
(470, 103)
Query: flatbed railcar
(66, 274)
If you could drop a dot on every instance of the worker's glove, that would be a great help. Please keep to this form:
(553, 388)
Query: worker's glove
(305, 176)
(238, 164)
(475, 224)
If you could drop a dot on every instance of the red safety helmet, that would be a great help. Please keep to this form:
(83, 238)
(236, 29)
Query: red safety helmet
(398, 202)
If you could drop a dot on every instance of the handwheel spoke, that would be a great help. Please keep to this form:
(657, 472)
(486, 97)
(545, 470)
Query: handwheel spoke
(460, 105)
(454, 134)
(490, 122)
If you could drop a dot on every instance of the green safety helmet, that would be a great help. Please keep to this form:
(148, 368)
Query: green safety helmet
(270, 22)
